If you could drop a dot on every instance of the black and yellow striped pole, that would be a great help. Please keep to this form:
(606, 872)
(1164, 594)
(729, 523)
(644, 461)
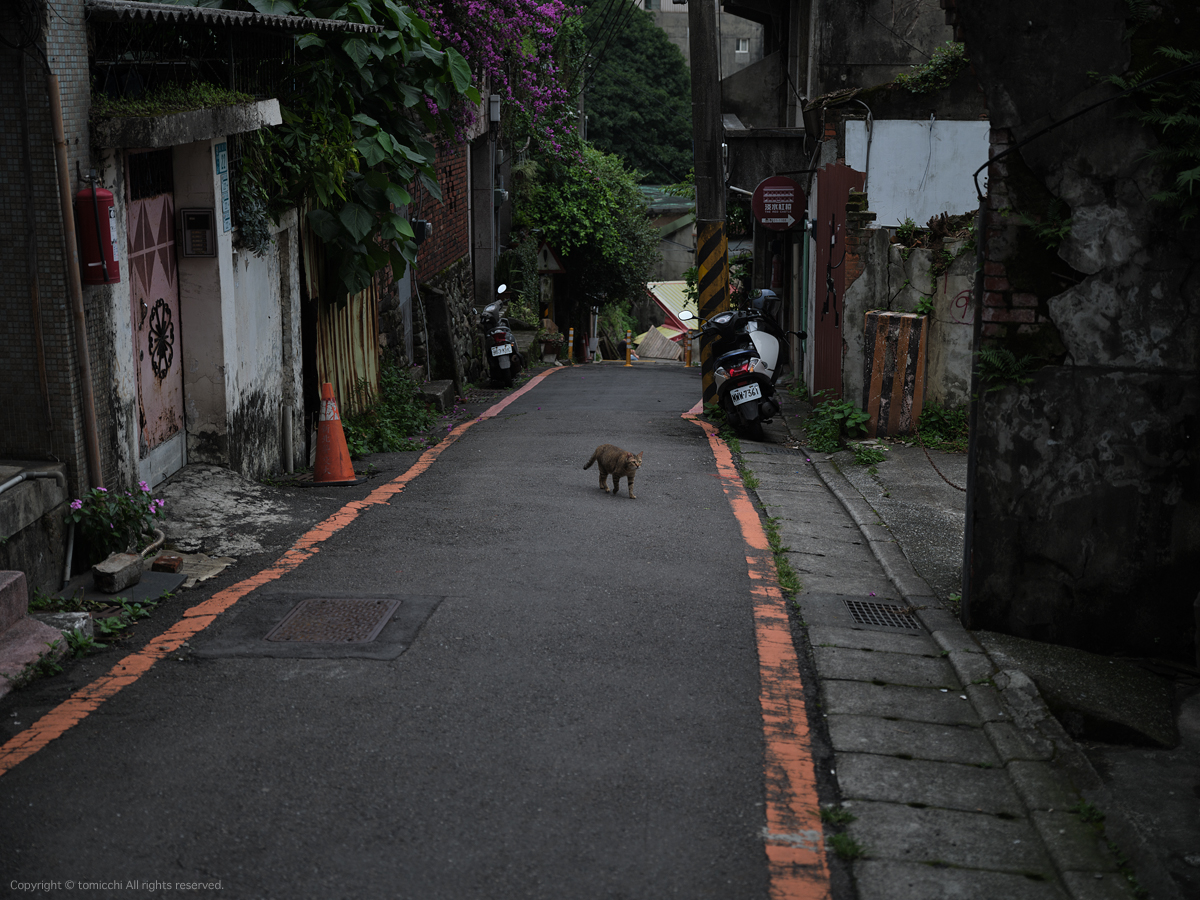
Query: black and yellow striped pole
(712, 257)
(712, 282)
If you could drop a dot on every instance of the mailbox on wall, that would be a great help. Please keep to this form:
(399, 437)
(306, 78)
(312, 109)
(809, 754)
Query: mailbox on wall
(197, 232)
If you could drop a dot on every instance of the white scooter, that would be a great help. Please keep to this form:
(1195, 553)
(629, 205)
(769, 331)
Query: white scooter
(747, 347)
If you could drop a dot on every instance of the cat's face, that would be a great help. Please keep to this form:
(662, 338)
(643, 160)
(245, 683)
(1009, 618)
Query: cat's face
(636, 461)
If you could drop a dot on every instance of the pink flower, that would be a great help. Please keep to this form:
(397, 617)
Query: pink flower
(76, 504)
(145, 487)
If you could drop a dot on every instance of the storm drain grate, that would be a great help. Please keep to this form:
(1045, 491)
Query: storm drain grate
(867, 613)
(334, 621)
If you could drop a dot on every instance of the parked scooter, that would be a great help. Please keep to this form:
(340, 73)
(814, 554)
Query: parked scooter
(747, 344)
(505, 362)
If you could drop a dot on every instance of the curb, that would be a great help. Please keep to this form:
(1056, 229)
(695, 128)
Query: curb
(1041, 758)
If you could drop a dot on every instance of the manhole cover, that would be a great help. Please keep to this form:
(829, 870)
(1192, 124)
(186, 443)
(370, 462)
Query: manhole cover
(334, 621)
(867, 613)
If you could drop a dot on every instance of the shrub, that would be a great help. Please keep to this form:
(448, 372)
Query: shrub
(112, 521)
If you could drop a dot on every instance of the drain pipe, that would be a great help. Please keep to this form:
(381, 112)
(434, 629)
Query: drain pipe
(90, 431)
(285, 414)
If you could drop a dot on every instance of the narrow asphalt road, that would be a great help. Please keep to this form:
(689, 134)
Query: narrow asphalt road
(566, 704)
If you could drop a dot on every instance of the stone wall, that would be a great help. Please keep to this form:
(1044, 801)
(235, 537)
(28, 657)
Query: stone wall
(1084, 519)
(881, 275)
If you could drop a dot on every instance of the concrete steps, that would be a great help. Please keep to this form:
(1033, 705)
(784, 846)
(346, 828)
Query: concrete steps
(22, 639)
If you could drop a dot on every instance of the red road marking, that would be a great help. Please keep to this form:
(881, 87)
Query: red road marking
(794, 840)
(79, 705)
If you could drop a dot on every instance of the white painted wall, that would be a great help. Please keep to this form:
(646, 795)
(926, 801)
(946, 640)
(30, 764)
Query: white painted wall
(918, 170)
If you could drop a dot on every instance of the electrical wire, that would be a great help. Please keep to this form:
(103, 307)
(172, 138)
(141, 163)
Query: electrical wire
(619, 26)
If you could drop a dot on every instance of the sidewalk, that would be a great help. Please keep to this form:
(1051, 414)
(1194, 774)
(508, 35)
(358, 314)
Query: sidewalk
(943, 759)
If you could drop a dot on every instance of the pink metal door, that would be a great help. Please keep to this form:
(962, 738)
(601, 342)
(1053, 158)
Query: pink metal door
(834, 183)
(154, 295)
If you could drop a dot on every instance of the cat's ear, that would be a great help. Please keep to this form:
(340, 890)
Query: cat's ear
(639, 456)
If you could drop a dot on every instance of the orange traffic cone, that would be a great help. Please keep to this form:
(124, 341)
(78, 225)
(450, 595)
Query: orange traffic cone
(333, 459)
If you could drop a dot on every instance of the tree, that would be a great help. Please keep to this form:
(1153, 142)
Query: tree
(638, 91)
(354, 132)
(587, 206)
(513, 48)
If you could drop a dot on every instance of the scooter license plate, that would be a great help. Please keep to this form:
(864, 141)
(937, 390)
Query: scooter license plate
(745, 394)
(502, 350)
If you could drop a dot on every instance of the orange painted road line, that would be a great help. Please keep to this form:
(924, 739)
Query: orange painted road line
(794, 840)
(80, 704)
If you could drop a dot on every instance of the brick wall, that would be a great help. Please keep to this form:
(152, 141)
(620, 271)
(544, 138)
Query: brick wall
(451, 234)
(1008, 312)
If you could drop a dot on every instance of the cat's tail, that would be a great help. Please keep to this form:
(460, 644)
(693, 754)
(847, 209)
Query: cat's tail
(590, 461)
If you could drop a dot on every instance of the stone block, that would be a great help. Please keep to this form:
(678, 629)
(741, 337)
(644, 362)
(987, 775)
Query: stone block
(958, 638)
(971, 668)
(439, 393)
(890, 880)
(1074, 845)
(910, 703)
(906, 739)
(14, 599)
(854, 638)
(1040, 787)
(924, 783)
(837, 581)
(22, 644)
(1097, 886)
(890, 668)
(943, 837)
(67, 622)
(986, 700)
(117, 572)
(1011, 745)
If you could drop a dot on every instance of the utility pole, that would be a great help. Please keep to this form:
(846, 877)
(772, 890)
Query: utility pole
(712, 247)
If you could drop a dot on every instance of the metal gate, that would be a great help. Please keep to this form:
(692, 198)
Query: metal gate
(834, 183)
(154, 300)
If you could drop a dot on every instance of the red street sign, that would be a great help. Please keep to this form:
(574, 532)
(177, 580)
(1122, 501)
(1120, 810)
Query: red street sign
(778, 203)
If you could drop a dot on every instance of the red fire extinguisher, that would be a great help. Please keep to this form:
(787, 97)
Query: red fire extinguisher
(96, 219)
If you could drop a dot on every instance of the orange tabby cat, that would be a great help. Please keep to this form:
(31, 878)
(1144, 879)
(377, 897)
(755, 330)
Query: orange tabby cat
(618, 463)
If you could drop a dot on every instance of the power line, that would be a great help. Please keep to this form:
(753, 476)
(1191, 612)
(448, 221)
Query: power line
(619, 26)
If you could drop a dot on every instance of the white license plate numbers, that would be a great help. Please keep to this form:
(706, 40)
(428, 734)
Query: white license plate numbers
(745, 394)
(502, 350)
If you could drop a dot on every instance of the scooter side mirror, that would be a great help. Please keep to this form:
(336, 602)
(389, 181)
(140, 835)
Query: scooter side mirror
(502, 289)
(685, 316)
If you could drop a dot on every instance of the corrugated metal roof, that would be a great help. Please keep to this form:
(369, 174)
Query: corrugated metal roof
(671, 297)
(120, 10)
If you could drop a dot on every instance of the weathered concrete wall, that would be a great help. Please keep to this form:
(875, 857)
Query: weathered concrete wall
(1085, 516)
(266, 291)
(115, 371)
(871, 41)
(888, 276)
(948, 363)
(754, 94)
